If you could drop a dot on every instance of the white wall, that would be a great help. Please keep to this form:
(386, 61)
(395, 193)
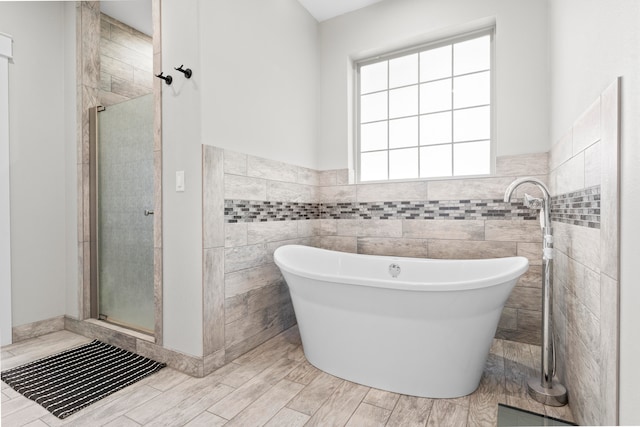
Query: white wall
(181, 151)
(37, 144)
(6, 48)
(71, 159)
(521, 64)
(259, 96)
(591, 43)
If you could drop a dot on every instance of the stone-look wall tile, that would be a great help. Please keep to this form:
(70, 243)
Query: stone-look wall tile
(561, 151)
(262, 232)
(328, 177)
(527, 337)
(213, 294)
(589, 293)
(86, 204)
(282, 321)
(36, 329)
(235, 163)
(579, 243)
(188, 364)
(344, 177)
(242, 281)
(448, 230)
(244, 188)
(532, 278)
(157, 199)
(308, 176)
(570, 175)
(335, 194)
(583, 374)
(212, 197)
(469, 249)
(586, 130)
(272, 246)
(609, 204)
(339, 243)
(110, 336)
(85, 296)
(239, 306)
(290, 192)
(393, 191)
(568, 271)
(348, 227)
(378, 228)
(81, 279)
(531, 251)
(508, 319)
(416, 248)
(523, 165)
(592, 165)
(213, 361)
(156, 17)
(609, 350)
(235, 234)
(308, 228)
(80, 203)
(259, 167)
(242, 257)
(529, 320)
(465, 189)
(157, 104)
(329, 227)
(256, 322)
(513, 231)
(525, 298)
(584, 325)
(90, 45)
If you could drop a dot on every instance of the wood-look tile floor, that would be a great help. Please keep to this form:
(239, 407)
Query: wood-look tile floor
(274, 385)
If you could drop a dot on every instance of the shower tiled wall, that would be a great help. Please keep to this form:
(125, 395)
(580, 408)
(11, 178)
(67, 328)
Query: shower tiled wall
(584, 163)
(253, 205)
(126, 62)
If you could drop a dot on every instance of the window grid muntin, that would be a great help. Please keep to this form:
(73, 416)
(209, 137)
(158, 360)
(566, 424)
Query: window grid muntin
(451, 41)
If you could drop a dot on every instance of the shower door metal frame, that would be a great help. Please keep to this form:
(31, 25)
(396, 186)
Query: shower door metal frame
(93, 210)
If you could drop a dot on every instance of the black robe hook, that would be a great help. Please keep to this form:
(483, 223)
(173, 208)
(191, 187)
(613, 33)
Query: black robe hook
(167, 79)
(187, 73)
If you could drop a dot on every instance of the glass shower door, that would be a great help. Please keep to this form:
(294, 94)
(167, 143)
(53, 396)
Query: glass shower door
(125, 198)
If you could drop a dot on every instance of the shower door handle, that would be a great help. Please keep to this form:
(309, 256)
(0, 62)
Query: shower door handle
(148, 212)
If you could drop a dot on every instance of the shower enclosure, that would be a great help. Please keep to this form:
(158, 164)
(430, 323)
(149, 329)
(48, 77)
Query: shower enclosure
(122, 198)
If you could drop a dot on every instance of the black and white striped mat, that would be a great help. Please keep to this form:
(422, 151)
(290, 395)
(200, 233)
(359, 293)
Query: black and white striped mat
(69, 381)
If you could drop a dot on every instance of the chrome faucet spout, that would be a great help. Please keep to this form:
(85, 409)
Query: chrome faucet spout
(545, 214)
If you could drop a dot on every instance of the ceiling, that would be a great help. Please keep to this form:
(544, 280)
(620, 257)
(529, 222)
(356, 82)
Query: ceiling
(137, 13)
(327, 9)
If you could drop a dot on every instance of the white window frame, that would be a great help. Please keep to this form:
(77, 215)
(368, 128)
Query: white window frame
(461, 37)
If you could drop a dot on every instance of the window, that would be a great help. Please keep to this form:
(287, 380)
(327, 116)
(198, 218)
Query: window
(426, 113)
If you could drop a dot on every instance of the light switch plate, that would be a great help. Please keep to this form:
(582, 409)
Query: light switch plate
(180, 181)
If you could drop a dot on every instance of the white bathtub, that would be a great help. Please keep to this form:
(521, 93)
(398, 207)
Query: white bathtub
(426, 332)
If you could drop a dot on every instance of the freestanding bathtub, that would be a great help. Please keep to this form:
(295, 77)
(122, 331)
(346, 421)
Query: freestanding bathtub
(421, 327)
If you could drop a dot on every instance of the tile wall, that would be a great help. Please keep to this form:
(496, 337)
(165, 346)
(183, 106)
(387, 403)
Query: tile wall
(126, 62)
(584, 166)
(253, 205)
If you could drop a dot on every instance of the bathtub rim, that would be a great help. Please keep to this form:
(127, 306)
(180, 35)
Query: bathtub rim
(518, 265)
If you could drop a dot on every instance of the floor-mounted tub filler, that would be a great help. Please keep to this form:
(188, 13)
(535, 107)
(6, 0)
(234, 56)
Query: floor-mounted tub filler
(421, 327)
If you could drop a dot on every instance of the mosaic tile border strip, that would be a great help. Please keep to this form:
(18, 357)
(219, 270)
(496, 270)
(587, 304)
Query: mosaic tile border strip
(578, 208)
(433, 209)
(262, 211)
